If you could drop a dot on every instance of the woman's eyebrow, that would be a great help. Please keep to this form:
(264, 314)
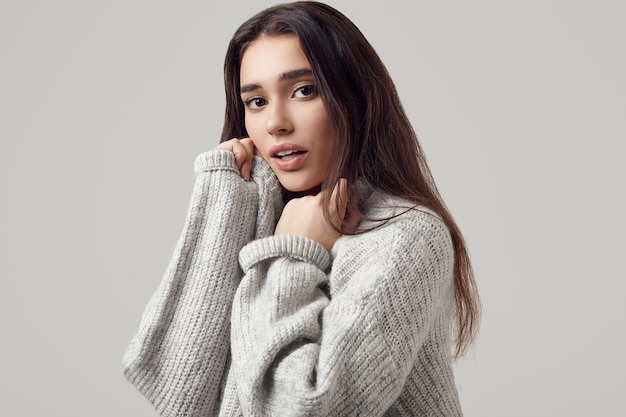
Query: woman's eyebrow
(289, 75)
(248, 87)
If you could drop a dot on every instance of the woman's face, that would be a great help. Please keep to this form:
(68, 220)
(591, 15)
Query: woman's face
(285, 116)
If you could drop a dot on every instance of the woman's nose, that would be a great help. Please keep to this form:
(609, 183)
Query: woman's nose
(278, 121)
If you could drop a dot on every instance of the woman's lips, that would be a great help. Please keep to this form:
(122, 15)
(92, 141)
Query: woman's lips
(287, 156)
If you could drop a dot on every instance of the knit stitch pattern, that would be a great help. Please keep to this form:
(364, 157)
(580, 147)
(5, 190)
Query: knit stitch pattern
(246, 323)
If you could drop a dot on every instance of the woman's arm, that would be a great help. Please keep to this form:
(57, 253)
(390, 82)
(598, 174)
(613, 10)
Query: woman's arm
(178, 357)
(297, 351)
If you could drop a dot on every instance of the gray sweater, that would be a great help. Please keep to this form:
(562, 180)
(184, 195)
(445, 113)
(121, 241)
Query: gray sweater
(245, 323)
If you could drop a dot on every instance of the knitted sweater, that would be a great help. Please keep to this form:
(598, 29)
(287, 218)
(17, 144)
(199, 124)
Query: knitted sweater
(245, 323)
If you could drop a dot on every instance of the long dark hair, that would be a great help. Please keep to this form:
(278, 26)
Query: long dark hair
(375, 140)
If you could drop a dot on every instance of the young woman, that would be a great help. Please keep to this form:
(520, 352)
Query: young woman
(319, 272)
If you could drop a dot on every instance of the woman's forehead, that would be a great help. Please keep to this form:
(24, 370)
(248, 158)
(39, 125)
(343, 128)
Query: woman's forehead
(270, 56)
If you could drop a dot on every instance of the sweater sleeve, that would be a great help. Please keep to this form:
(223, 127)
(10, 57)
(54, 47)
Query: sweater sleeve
(179, 355)
(299, 352)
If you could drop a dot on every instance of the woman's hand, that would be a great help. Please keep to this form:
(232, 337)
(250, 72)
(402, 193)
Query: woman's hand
(304, 216)
(243, 149)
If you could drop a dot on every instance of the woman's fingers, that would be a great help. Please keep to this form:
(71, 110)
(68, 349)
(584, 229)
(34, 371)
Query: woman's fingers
(243, 150)
(304, 216)
(246, 165)
(339, 202)
(339, 209)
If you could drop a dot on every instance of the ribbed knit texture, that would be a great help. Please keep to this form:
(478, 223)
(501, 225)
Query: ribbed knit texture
(245, 323)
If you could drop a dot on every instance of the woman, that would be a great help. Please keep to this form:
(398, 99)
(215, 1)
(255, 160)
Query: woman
(327, 281)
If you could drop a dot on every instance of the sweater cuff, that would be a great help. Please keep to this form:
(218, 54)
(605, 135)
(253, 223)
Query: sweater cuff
(223, 160)
(291, 246)
(215, 160)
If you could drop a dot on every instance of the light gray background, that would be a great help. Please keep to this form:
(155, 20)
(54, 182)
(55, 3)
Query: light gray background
(520, 106)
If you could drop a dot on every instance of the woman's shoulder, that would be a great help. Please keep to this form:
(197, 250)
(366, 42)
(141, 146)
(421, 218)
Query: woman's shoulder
(397, 227)
(398, 240)
(395, 217)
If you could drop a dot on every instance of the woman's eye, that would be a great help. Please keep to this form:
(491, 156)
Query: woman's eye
(255, 103)
(305, 91)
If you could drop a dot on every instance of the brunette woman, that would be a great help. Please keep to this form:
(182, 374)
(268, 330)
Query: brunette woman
(319, 272)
